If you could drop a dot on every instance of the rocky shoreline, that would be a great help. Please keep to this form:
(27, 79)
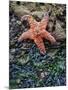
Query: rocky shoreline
(27, 67)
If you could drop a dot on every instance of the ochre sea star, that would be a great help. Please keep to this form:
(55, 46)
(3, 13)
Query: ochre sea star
(37, 31)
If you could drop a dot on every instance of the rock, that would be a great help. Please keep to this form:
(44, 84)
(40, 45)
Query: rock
(59, 32)
(19, 10)
(12, 51)
(39, 14)
(18, 80)
(50, 26)
(42, 75)
(13, 20)
(52, 52)
(23, 60)
(19, 22)
(10, 57)
(31, 6)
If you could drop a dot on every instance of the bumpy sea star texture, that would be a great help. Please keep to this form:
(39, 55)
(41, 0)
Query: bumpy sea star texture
(37, 31)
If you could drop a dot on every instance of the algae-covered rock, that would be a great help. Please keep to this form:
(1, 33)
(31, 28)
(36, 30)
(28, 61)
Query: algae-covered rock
(19, 10)
(59, 31)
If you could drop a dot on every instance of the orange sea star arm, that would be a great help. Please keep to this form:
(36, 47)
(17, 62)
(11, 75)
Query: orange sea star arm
(40, 45)
(48, 36)
(44, 21)
(25, 35)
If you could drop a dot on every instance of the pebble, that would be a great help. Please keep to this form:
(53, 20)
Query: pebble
(13, 20)
(19, 22)
(42, 75)
(18, 80)
(12, 51)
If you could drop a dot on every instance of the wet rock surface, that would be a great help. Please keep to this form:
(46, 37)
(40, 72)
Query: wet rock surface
(27, 67)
